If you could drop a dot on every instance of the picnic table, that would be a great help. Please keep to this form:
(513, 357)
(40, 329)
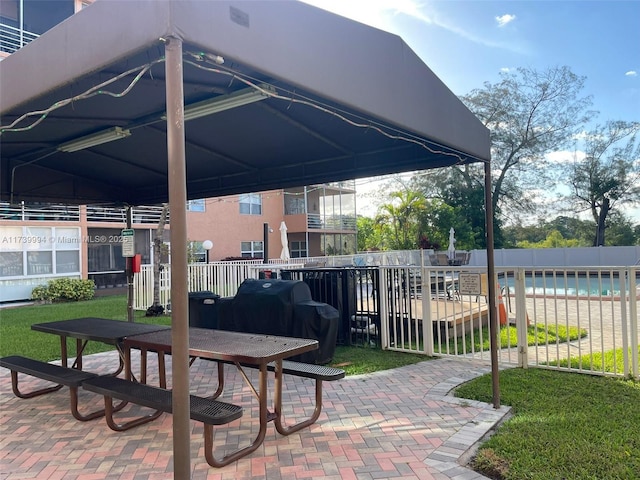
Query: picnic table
(244, 350)
(111, 332)
(240, 349)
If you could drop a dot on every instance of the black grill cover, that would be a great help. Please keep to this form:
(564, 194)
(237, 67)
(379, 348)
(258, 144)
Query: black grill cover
(318, 321)
(281, 307)
(266, 306)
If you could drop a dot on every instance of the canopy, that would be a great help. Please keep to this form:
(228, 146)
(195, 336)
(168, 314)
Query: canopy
(357, 102)
(275, 94)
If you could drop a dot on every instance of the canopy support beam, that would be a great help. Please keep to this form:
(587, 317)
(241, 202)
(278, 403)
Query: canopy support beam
(491, 274)
(179, 268)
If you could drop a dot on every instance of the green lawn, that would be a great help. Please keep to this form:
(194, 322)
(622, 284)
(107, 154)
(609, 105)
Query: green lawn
(536, 335)
(17, 338)
(565, 426)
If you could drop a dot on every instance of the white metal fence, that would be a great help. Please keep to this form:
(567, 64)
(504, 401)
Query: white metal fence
(438, 311)
(537, 308)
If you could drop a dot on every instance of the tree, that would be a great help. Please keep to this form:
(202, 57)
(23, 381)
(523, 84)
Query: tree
(609, 174)
(402, 213)
(620, 230)
(158, 249)
(570, 228)
(465, 194)
(529, 115)
(370, 234)
(554, 240)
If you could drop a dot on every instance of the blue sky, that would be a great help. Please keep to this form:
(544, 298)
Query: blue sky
(469, 42)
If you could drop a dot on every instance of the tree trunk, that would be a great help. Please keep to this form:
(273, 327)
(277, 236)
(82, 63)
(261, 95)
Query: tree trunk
(604, 210)
(158, 245)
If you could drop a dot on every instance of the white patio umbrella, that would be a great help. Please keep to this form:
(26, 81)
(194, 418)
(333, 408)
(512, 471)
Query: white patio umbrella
(284, 255)
(451, 251)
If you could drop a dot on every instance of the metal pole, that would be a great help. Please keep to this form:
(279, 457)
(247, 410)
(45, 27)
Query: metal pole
(491, 275)
(265, 243)
(179, 275)
(129, 269)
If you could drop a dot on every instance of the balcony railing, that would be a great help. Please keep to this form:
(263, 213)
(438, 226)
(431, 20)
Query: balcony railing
(12, 38)
(46, 212)
(315, 221)
(71, 213)
(143, 214)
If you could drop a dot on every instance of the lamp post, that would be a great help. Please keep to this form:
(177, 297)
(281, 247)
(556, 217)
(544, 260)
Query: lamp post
(207, 245)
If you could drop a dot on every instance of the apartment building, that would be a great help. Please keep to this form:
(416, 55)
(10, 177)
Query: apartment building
(40, 241)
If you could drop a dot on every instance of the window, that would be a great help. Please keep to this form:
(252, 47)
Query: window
(251, 249)
(39, 251)
(294, 205)
(298, 249)
(196, 205)
(196, 252)
(10, 264)
(251, 204)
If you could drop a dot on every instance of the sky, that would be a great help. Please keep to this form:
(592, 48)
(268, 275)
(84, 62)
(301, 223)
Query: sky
(469, 42)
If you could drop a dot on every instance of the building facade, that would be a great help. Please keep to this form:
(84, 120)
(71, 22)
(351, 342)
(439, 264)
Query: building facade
(39, 242)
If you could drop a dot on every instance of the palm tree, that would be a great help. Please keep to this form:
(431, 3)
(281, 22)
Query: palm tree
(403, 213)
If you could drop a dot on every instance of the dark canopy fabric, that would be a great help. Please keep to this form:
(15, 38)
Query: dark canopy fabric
(344, 101)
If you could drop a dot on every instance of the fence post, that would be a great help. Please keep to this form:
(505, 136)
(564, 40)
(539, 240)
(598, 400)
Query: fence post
(384, 313)
(633, 319)
(427, 321)
(521, 318)
(623, 319)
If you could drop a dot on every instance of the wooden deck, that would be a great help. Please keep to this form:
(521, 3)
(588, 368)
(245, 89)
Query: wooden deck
(458, 315)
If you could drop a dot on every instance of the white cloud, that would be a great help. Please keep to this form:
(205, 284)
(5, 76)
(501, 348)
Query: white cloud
(564, 156)
(631, 73)
(505, 69)
(505, 19)
(380, 13)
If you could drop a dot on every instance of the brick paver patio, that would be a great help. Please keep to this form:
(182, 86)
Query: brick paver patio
(399, 423)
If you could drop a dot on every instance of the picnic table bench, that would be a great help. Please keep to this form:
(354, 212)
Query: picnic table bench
(61, 376)
(319, 373)
(209, 412)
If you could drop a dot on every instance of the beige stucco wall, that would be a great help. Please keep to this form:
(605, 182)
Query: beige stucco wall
(222, 223)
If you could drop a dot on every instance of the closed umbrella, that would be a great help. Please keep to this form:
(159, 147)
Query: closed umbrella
(451, 251)
(284, 255)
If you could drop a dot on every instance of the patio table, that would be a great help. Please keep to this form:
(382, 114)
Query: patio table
(111, 332)
(232, 347)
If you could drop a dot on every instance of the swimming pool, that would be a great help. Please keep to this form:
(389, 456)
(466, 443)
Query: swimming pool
(605, 284)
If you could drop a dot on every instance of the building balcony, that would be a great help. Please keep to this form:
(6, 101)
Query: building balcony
(71, 213)
(45, 212)
(142, 214)
(314, 222)
(12, 38)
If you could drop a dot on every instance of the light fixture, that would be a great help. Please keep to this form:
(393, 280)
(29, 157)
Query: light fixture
(225, 102)
(207, 245)
(94, 139)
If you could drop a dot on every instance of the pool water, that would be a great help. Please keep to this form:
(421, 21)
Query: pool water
(572, 285)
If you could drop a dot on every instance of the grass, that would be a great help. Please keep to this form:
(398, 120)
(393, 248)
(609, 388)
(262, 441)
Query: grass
(536, 334)
(17, 338)
(610, 362)
(358, 360)
(565, 426)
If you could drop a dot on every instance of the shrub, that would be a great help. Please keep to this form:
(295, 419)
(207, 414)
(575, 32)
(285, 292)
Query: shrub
(64, 290)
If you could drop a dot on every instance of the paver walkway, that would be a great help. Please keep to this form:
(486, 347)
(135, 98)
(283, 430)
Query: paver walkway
(400, 423)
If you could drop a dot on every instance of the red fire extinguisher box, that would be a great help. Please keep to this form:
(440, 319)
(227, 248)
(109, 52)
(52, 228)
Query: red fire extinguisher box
(136, 261)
